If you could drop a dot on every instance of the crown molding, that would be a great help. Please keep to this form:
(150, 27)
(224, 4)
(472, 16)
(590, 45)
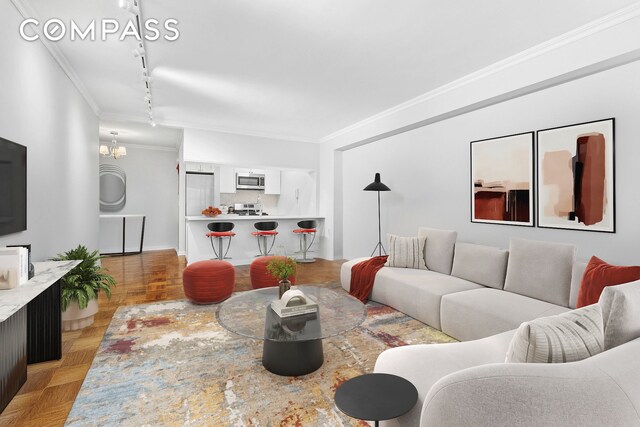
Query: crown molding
(26, 10)
(584, 31)
(199, 126)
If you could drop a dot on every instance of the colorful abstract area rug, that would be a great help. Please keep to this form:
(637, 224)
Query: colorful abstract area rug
(171, 363)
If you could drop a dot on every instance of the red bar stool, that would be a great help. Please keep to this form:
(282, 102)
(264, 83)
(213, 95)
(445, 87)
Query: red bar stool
(264, 230)
(220, 231)
(307, 227)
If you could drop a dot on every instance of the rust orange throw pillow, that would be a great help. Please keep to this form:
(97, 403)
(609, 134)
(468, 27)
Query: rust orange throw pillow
(599, 275)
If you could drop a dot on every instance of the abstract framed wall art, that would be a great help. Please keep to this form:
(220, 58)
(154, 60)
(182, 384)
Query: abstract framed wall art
(576, 188)
(502, 180)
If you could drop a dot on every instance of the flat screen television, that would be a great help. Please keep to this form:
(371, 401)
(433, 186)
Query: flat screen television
(13, 187)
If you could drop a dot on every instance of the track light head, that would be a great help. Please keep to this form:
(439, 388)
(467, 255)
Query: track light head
(130, 6)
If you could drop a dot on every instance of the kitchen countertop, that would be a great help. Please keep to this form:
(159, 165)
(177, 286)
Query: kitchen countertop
(236, 217)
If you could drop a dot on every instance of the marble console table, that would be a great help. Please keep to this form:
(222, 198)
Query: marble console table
(30, 325)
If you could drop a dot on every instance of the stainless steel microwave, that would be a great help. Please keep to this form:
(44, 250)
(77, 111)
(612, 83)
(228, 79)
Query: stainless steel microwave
(249, 181)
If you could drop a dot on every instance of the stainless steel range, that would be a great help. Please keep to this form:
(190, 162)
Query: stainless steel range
(248, 209)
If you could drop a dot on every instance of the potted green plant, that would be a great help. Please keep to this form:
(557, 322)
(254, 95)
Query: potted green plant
(81, 286)
(282, 268)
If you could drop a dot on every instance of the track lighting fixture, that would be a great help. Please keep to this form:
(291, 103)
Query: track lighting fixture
(130, 6)
(139, 51)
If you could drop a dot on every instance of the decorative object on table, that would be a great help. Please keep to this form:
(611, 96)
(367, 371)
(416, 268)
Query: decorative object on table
(502, 180)
(31, 269)
(142, 340)
(80, 288)
(363, 274)
(208, 282)
(378, 186)
(576, 188)
(113, 188)
(115, 151)
(294, 303)
(282, 268)
(260, 277)
(14, 267)
(376, 397)
(211, 212)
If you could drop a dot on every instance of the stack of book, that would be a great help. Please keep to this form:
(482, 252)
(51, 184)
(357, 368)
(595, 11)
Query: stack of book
(14, 267)
(296, 306)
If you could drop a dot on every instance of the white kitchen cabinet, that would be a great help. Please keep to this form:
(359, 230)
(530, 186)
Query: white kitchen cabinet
(272, 181)
(198, 167)
(227, 179)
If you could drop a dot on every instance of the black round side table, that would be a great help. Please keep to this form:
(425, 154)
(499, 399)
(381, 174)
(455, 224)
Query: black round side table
(376, 397)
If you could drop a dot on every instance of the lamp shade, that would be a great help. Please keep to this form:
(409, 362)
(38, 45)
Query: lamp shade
(376, 185)
(104, 150)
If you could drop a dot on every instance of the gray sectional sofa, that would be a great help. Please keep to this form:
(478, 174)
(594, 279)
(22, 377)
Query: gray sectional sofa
(480, 295)
(473, 291)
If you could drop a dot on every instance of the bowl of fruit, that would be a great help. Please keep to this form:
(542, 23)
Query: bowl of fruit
(211, 212)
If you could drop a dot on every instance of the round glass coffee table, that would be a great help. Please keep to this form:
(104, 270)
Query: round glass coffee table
(292, 345)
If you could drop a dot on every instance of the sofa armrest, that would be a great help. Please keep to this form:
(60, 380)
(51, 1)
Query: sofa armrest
(345, 272)
(424, 364)
(585, 393)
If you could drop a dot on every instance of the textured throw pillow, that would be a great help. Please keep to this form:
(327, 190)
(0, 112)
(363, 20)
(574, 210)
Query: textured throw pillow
(567, 337)
(599, 275)
(406, 252)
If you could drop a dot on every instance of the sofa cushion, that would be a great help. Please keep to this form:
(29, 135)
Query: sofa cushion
(599, 275)
(483, 312)
(416, 292)
(567, 337)
(540, 270)
(576, 279)
(438, 252)
(484, 265)
(406, 252)
(621, 313)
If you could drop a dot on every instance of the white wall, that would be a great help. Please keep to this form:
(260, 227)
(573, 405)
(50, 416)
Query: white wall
(248, 151)
(427, 169)
(41, 109)
(152, 190)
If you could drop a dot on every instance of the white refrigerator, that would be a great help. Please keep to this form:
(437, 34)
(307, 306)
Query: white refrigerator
(199, 192)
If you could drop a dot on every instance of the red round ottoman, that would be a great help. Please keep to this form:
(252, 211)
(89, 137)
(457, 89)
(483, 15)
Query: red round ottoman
(260, 277)
(206, 282)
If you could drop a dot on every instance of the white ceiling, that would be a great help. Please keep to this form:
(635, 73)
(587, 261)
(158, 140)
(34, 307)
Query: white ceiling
(303, 69)
(132, 133)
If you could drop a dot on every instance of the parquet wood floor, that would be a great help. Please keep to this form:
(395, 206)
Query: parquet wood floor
(51, 388)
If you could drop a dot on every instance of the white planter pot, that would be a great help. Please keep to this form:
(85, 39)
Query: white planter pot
(73, 318)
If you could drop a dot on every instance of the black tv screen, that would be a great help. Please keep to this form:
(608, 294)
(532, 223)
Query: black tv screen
(13, 187)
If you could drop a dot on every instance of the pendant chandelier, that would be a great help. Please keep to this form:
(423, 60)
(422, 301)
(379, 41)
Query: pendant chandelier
(114, 150)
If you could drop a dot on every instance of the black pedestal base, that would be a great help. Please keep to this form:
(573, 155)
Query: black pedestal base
(292, 358)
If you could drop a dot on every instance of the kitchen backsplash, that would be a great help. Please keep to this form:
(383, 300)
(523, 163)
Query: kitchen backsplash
(269, 201)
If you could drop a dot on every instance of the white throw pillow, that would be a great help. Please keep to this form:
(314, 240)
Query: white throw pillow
(406, 252)
(567, 337)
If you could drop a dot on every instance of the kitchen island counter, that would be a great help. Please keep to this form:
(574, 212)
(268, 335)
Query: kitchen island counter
(244, 246)
(236, 217)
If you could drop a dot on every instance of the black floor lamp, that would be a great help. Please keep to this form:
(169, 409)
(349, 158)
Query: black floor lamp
(378, 186)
